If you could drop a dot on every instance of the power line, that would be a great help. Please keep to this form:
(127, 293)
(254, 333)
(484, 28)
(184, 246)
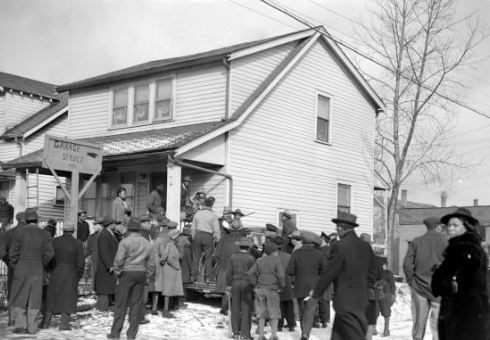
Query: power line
(328, 35)
(336, 13)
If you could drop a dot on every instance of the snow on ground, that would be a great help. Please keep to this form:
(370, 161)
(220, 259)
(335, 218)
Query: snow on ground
(198, 321)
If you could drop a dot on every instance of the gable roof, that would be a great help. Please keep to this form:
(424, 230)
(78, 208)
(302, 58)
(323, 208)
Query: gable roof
(115, 146)
(31, 86)
(170, 64)
(38, 120)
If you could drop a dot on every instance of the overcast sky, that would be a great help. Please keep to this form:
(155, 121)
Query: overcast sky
(61, 41)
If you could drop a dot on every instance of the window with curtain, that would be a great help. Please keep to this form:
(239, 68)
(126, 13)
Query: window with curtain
(141, 103)
(163, 99)
(120, 108)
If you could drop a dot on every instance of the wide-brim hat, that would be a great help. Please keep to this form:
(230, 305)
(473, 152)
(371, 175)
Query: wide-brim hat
(187, 178)
(460, 212)
(346, 218)
(134, 223)
(245, 242)
(107, 220)
(271, 227)
(31, 214)
(238, 212)
(68, 226)
(144, 218)
(287, 214)
(98, 220)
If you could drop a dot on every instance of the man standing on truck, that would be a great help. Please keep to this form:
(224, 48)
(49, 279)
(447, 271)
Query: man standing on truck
(205, 232)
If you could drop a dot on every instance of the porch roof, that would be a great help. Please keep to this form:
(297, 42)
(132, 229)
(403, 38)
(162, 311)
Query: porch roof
(115, 146)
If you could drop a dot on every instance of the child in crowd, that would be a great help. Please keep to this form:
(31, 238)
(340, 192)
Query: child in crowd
(267, 275)
(387, 295)
(241, 289)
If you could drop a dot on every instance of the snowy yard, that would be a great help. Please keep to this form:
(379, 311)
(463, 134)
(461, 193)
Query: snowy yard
(198, 321)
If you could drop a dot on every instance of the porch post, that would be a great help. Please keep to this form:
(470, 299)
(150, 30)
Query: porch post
(20, 191)
(174, 176)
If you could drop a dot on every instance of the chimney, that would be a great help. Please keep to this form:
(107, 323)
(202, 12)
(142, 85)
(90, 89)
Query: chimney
(443, 199)
(404, 198)
(475, 202)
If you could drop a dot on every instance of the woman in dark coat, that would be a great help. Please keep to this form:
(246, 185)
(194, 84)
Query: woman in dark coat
(461, 282)
(67, 269)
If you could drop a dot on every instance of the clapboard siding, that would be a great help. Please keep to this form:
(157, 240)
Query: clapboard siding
(58, 127)
(200, 96)
(2, 112)
(9, 151)
(45, 200)
(294, 171)
(250, 71)
(20, 107)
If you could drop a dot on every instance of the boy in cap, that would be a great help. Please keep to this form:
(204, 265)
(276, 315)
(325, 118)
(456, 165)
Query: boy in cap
(238, 283)
(135, 259)
(386, 296)
(267, 275)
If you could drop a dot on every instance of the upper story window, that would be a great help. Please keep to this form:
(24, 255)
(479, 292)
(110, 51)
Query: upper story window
(343, 198)
(143, 103)
(120, 108)
(163, 100)
(323, 119)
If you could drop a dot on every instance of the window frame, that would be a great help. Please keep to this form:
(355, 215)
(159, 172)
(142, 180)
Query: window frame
(330, 114)
(152, 99)
(351, 194)
(56, 201)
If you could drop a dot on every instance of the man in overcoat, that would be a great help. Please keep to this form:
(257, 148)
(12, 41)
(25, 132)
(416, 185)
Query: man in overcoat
(133, 265)
(423, 253)
(306, 265)
(31, 251)
(349, 268)
(105, 280)
(92, 251)
(286, 294)
(66, 271)
(9, 239)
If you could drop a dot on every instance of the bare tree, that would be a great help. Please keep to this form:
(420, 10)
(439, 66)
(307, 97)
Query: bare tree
(424, 47)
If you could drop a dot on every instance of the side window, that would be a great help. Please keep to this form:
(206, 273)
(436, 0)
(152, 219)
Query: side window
(60, 196)
(120, 108)
(343, 198)
(323, 119)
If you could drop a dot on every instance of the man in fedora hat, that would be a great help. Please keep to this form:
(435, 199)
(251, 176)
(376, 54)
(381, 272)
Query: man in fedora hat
(185, 190)
(66, 270)
(288, 225)
(105, 281)
(135, 259)
(423, 253)
(350, 270)
(31, 251)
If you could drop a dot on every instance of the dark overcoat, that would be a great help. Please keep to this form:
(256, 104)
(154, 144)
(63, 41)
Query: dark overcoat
(186, 260)
(225, 249)
(423, 253)
(105, 282)
(327, 294)
(464, 313)
(66, 270)
(286, 294)
(92, 251)
(306, 265)
(9, 239)
(349, 267)
(31, 251)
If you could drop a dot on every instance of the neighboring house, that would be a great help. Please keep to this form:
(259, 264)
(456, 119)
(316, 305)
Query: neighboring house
(281, 123)
(411, 224)
(28, 110)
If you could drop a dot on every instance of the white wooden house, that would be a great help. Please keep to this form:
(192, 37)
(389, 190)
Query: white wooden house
(281, 123)
(28, 110)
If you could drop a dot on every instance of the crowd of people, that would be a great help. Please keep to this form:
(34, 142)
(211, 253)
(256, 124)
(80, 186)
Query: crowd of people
(148, 261)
